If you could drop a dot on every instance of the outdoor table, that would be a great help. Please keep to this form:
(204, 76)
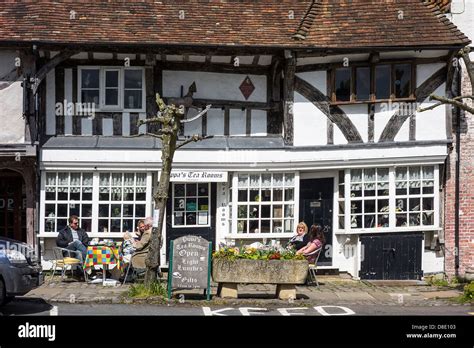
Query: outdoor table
(104, 256)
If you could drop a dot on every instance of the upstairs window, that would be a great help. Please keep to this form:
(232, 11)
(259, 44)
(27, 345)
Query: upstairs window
(113, 88)
(373, 83)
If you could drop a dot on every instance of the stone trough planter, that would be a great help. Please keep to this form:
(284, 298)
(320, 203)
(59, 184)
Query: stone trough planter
(284, 273)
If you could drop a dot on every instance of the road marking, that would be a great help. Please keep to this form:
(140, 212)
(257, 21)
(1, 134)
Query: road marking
(248, 311)
(53, 311)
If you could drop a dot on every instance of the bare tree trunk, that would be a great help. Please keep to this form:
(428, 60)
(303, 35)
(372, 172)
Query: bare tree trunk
(161, 197)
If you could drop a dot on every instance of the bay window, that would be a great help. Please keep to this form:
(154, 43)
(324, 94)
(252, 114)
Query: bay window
(388, 198)
(104, 202)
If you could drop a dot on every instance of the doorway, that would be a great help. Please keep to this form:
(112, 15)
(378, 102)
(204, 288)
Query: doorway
(12, 206)
(391, 256)
(191, 210)
(316, 207)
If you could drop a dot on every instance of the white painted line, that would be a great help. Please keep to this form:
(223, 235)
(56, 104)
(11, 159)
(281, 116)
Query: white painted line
(53, 311)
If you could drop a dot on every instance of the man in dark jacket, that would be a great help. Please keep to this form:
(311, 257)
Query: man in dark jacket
(73, 238)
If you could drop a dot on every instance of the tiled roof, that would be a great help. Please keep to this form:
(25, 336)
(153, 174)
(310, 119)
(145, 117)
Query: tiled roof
(319, 23)
(444, 5)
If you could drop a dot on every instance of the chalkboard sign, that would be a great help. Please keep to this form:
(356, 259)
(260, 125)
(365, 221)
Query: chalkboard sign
(190, 260)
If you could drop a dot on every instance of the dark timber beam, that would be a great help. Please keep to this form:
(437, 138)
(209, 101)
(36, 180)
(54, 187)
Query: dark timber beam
(422, 92)
(333, 113)
(289, 71)
(50, 65)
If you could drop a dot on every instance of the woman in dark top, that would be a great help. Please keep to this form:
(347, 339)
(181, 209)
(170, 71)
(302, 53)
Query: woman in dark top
(316, 241)
(301, 239)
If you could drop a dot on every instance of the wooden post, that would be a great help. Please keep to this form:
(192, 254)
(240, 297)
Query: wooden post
(288, 96)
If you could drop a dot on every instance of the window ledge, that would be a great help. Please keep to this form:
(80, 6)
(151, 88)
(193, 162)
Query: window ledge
(259, 235)
(390, 230)
(355, 102)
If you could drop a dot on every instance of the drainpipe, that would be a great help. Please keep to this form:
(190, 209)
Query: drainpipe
(457, 178)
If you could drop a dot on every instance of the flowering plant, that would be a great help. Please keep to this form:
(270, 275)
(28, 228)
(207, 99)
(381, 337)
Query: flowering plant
(251, 253)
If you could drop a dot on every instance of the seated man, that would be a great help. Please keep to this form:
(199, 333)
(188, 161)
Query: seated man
(129, 238)
(74, 238)
(142, 246)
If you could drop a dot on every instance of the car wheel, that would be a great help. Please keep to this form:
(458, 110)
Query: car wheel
(3, 293)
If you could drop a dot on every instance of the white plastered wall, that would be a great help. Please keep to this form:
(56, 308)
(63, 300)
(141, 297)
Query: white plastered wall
(11, 101)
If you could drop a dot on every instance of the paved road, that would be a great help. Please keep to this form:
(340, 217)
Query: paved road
(40, 307)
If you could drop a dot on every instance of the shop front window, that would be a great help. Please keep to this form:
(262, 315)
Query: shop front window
(67, 194)
(191, 204)
(380, 198)
(265, 203)
(369, 198)
(414, 196)
(104, 202)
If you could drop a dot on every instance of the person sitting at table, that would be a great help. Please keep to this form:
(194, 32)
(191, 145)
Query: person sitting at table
(142, 246)
(73, 238)
(316, 241)
(127, 247)
(301, 238)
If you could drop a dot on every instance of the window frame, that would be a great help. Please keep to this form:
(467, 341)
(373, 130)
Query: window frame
(95, 200)
(372, 93)
(234, 204)
(185, 211)
(121, 90)
(346, 201)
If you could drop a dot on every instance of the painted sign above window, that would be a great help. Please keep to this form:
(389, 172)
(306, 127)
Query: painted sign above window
(198, 176)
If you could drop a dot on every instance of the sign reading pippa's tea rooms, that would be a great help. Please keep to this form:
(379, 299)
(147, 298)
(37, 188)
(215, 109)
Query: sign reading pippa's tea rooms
(189, 263)
(198, 176)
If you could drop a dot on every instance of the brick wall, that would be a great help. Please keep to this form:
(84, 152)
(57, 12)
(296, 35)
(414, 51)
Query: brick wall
(466, 194)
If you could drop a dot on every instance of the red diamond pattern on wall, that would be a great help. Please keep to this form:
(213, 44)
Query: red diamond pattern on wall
(247, 87)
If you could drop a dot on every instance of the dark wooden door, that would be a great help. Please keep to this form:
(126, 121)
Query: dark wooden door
(391, 256)
(316, 204)
(207, 232)
(12, 208)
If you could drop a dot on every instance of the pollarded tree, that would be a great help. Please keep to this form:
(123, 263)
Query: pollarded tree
(170, 117)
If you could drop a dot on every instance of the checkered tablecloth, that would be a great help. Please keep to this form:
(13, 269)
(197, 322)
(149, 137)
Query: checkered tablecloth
(103, 255)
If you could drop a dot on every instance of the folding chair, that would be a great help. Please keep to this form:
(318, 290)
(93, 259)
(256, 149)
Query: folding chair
(313, 266)
(62, 262)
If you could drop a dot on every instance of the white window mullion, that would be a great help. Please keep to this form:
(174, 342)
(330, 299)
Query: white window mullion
(296, 207)
(42, 200)
(436, 206)
(149, 196)
(95, 202)
(235, 192)
(391, 203)
(347, 202)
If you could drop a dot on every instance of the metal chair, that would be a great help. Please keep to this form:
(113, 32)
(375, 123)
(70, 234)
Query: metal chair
(312, 269)
(61, 261)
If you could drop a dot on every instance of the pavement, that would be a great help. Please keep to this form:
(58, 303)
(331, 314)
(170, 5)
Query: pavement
(333, 290)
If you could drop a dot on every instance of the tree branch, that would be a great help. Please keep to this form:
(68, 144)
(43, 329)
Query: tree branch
(194, 138)
(198, 115)
(444, 100)
(158, 119)
(142, 134)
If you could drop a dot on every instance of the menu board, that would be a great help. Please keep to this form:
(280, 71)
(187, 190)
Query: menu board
(190, 261)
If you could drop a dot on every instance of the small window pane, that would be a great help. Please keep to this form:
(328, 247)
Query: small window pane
(343, 84)
(111, 79)
(90, 96)
(133, 79)
(90, 78)
(363, 83)
(203, 190)
(132, 99)
(382, 81)
(191, 190)
(51, 179)
(402, 80)
(111, 97)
